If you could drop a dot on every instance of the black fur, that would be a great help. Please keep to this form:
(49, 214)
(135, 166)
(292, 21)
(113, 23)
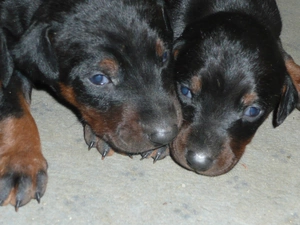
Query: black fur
(108, 59)
(61, 43)
(229, 67)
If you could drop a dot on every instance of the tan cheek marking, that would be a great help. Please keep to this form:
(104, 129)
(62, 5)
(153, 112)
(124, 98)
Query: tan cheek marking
(249, 99)
(238, 147)
(68, 94)
(229, 157)
(100, 122)
(196, 84)
(109, 66)
(178, 146)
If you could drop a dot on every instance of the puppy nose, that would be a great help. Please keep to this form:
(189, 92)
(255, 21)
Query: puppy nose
(163, 136)
(198, 161)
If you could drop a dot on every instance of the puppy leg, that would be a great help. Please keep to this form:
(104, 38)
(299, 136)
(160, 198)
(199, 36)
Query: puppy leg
(23, 169)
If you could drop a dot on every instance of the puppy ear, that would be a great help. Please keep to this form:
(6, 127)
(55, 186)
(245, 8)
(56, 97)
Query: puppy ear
(6, 64)
(288, 102)
(294, 72)
(34, 53)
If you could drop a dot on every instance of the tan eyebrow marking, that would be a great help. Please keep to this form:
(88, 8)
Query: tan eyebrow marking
(160, 49)
(110, 66)
(176, 53)
(249, 98)
(196, 84)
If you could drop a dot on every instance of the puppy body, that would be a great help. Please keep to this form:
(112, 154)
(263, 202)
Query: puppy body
(108, 59)
(231, 75)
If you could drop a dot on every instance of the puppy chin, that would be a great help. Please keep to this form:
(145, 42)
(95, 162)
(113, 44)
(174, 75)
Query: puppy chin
(215, 166)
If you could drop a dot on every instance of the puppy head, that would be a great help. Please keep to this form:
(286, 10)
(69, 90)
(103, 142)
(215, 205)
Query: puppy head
(110, 60)
(230, 75)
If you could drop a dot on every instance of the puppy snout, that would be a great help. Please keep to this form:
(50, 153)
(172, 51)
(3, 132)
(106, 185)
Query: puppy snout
(163, 135)
(198, 161)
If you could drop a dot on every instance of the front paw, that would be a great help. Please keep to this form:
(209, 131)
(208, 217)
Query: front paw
(157, 154)
(95, 142)
(21, 183)
(23, 169)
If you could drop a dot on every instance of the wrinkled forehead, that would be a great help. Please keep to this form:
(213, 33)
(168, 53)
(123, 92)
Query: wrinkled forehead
(220, 69)
(228, 64)
(116, 19)
(89, 38)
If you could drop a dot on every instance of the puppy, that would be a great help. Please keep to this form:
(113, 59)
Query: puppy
(109, 60)
(231, 74)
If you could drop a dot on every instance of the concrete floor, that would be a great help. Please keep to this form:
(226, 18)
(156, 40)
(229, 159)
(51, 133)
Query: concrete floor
(264, 188)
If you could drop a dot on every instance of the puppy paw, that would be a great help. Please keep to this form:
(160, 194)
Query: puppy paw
(157, 154)
(95, 142)
(23, 169)
(21, 183)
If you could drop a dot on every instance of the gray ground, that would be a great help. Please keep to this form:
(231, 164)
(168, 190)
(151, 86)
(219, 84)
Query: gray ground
(264, 188)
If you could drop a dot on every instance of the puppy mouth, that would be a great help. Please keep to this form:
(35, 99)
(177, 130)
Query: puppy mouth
(211, 166)
(128, 139)
(128, 127)
(202, 162)
(142, 141)
(217, 169)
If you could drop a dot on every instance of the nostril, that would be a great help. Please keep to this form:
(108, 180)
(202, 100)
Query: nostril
(163, 136)
(198, 161)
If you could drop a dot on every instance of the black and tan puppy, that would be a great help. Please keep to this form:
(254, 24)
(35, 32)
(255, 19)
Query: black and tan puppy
(109, 60)
(231, 74)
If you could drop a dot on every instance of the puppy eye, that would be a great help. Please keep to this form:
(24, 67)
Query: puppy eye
(99, 79)
(165, 56)
(252, 112)
(186, 91)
